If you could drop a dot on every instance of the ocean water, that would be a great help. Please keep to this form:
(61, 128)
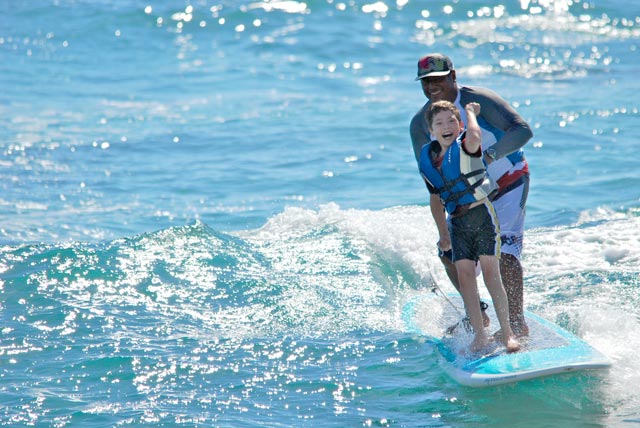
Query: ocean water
(210, 214)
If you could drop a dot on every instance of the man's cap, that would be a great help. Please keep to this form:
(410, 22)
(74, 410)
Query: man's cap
(435, 64)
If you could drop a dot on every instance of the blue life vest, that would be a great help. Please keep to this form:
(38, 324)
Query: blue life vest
(461, 180)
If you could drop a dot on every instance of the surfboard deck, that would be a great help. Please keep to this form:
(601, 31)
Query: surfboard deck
(548, 350)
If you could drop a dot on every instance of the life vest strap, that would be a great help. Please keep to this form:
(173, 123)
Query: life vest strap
(454, 196)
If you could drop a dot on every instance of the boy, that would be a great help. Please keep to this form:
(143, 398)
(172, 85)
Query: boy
(452, 168)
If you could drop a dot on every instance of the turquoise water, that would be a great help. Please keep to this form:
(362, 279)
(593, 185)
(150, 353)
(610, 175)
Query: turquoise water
(210, 214)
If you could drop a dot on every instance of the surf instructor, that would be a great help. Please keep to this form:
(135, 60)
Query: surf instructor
(504, 133)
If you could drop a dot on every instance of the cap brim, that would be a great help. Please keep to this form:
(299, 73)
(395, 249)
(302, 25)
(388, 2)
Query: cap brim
(433, 74)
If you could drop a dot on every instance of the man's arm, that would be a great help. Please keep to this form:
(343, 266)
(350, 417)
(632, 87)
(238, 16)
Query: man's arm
(419, 131)
(499, 114)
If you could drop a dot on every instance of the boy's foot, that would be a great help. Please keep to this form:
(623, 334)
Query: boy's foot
(497, 336)
(512, 345)
(479, 343)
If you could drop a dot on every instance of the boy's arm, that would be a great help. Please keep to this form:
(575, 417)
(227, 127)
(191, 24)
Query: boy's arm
(439, 215)
(473, 140)
(440, 218)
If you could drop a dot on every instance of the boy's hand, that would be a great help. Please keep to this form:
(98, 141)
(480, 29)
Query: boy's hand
(473, 107)
(444, 243)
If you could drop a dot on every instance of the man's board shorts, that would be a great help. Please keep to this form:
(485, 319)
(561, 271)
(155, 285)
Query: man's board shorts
(510, 207)
(475, 234)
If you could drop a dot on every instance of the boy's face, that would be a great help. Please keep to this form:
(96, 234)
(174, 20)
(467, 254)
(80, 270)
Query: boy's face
(445, 127)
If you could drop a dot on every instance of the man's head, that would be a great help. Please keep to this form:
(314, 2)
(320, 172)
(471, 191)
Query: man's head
(438, 77)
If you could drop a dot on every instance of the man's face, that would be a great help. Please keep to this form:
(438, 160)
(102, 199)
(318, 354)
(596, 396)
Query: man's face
(440, 87)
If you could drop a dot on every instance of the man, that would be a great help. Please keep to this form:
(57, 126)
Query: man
(504, 133)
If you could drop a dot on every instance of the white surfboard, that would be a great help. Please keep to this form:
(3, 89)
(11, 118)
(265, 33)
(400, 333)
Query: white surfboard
(548, 350)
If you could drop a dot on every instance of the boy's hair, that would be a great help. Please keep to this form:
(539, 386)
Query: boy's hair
(442, 105)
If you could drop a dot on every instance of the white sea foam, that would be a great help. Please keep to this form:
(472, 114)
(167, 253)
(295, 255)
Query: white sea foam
(582, 276)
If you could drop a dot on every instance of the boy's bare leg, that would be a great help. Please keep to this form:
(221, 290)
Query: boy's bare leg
(492, 279)
(469, 290)
(452, 273)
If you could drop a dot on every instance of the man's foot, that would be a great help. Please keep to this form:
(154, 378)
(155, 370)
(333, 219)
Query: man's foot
(520, 328)
(464, 322)
(486, 321)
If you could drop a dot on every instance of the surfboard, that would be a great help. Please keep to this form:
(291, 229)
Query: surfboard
(548, 350)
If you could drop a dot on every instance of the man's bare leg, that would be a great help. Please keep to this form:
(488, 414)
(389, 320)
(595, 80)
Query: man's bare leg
(512, 279)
